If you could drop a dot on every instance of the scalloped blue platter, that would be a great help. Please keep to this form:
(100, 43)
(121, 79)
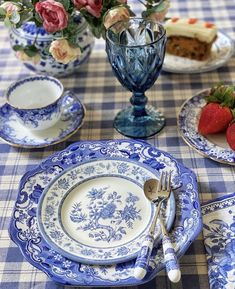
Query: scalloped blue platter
(25, 233)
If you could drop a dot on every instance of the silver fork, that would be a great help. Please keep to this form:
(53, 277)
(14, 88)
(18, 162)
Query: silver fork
(172, 266)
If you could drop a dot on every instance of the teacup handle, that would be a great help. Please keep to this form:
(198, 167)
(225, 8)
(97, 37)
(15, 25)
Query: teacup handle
(70, 106)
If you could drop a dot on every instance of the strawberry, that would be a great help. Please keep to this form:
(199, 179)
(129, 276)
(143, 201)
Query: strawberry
(230, 135)
(218, 112)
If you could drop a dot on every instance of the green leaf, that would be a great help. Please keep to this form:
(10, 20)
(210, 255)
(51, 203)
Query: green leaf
(2, 11)
(38, 19)
(18, 47)
(31, 50)
(7, 22)
(223, 94)
(233, 112)
(65, 3)
(159, 7)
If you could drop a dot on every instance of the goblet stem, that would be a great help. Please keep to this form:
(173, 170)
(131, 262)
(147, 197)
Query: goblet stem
(139, 101)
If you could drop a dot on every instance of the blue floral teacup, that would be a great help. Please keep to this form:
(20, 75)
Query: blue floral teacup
(37, 101)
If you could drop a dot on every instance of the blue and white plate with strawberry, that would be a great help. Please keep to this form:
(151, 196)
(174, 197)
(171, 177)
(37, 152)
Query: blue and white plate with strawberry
(206, 122)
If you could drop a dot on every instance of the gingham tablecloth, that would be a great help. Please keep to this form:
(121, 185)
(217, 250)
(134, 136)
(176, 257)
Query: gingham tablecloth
(103, 97)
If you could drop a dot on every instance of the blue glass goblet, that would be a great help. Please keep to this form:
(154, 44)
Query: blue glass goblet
(136, 50)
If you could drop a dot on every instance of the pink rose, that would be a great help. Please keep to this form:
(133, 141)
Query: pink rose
(9, 7)
(94, 7)
(63, 52)
(116, 14)
(53, 14)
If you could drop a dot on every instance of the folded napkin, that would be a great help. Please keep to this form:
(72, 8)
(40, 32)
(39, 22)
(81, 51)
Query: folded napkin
(219, 240)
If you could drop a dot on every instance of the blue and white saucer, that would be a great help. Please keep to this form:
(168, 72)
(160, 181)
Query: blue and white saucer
(214, 146)
(97, 213)
(222, 50)
(15, 134)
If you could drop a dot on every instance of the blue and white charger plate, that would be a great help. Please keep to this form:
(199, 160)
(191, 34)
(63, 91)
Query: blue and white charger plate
(97, 213)
(215, 146)
(15, 134)
(222, 50)
(25, 233)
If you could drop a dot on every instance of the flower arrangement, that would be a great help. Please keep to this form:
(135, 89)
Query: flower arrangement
(58, 19)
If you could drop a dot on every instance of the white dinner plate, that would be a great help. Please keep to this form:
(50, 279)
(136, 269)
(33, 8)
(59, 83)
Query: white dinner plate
(97, 213)
(213, 146)
(222, 50)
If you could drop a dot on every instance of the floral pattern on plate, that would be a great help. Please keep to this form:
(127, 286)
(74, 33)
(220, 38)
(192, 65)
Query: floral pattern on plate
(24, 230)
(96, 212)
(187, 125)
(222, 51)
(219, 240)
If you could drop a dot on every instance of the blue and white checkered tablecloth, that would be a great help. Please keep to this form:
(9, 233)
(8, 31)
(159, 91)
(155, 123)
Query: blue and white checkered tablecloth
(103, 97)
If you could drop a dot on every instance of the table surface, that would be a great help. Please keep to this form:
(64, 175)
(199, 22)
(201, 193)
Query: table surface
(103, 97)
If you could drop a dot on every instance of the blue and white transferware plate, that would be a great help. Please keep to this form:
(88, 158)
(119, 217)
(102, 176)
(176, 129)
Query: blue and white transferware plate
(214, 146)
(97, 213)
(25, 233)
(222, 50)
(16, 134)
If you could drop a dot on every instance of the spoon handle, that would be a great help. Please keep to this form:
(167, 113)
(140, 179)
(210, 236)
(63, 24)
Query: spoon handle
(171, 261)
(142, 260)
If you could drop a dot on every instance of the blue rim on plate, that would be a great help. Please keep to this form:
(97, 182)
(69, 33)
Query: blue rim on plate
(24, 230)
(222, 51)
(187, 125)
(96, 212)
(15, 134)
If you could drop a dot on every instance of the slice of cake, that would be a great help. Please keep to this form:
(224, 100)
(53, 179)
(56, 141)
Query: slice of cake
(190, 38)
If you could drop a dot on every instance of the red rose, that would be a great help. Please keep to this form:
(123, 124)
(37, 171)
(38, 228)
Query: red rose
(53, 14)
(94, 7)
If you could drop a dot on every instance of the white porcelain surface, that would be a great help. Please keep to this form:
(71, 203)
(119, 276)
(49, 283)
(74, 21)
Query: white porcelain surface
(97, 212)
(36, 101)
(222, 50)
(215, 146)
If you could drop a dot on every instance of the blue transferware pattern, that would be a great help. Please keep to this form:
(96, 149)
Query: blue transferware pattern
(96, 212)
(187, 123)
(28, 34)
(219, 240)
(33, 118)
(222, 51)
(15, 134)
(24, 227)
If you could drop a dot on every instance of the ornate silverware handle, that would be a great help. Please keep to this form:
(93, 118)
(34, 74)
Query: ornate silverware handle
(142, 260)
(171, 261)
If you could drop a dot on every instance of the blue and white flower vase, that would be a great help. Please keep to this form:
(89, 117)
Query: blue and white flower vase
(29, 34)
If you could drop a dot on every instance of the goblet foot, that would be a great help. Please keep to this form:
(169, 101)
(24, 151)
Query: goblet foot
(139, 126)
